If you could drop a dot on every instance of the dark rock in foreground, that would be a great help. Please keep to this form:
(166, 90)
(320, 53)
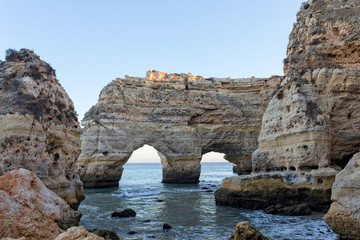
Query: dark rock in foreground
(124, 213)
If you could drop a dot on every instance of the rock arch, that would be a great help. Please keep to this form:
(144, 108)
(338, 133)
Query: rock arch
(182, 116)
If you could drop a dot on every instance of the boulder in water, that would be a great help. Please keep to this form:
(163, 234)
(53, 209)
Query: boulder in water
(104, 233)
(124, 213)
(167, 226)
(244, 231)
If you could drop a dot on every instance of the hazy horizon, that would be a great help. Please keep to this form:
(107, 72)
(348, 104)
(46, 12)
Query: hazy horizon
(148, 154)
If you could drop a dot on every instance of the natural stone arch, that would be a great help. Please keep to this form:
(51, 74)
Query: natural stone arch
(182, 116)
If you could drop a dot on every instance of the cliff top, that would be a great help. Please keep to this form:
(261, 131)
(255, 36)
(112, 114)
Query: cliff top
(157, 75)
(326, 34)
(161, 77)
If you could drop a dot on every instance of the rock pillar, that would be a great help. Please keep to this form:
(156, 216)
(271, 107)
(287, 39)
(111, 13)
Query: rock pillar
(181, 171)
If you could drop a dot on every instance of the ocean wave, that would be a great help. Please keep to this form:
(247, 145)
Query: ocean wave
(126, 194)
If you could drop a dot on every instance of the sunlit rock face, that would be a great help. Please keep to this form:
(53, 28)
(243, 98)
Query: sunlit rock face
(29, 209)
(344, 214)
(39, 130)
(181, 115)
(311, 127)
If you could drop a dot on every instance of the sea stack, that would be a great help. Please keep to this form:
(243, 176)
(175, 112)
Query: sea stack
(181, 115)
(39, 129)
(311, 127)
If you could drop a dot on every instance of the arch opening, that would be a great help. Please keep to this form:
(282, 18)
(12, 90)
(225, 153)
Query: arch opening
(213, 165)
(145, 154)
(142, 168)
(213, 157)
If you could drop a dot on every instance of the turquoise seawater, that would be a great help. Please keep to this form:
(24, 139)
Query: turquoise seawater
(189, 209)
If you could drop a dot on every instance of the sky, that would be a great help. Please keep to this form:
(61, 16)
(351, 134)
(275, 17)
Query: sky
(90, 42)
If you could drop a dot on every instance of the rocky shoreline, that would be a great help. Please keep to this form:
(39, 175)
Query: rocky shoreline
(294, 140)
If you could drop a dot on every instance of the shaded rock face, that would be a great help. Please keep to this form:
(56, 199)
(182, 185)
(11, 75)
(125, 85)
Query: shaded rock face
(181, 115)
(29, 209)
(244, 231)
(344, 214)
(39, 129)
(313, 121)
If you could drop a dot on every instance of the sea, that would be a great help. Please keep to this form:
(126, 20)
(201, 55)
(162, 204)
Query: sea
(189, 208)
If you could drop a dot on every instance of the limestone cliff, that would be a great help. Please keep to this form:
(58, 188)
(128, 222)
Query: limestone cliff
(181, 115)
(39, 129)
(314, 120)
(311, 127)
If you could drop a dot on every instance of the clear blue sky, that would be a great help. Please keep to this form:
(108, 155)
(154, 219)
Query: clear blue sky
(90, 43)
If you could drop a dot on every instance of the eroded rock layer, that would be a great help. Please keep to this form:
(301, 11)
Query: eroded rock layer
(39, 129)
(181, 115)
(313, 121)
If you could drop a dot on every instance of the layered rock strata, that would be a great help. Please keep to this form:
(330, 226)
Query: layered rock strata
(29, 209)
(181, 115)
(311, 127)
(39, 129)
(344, 214)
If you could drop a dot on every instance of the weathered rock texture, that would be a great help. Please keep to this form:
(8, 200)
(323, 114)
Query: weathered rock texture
(39, 129)
(78, 233)
(344, 214)
(181, 115)
(244, 231)
(29, 209)
(312, 124)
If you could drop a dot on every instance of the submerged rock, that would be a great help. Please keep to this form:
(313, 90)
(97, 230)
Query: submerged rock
(294, 210)
(78, 233)
(244, 231)
(181, 115)
(344, 214)
(39, 129)
(124, 213)
(29, 209)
